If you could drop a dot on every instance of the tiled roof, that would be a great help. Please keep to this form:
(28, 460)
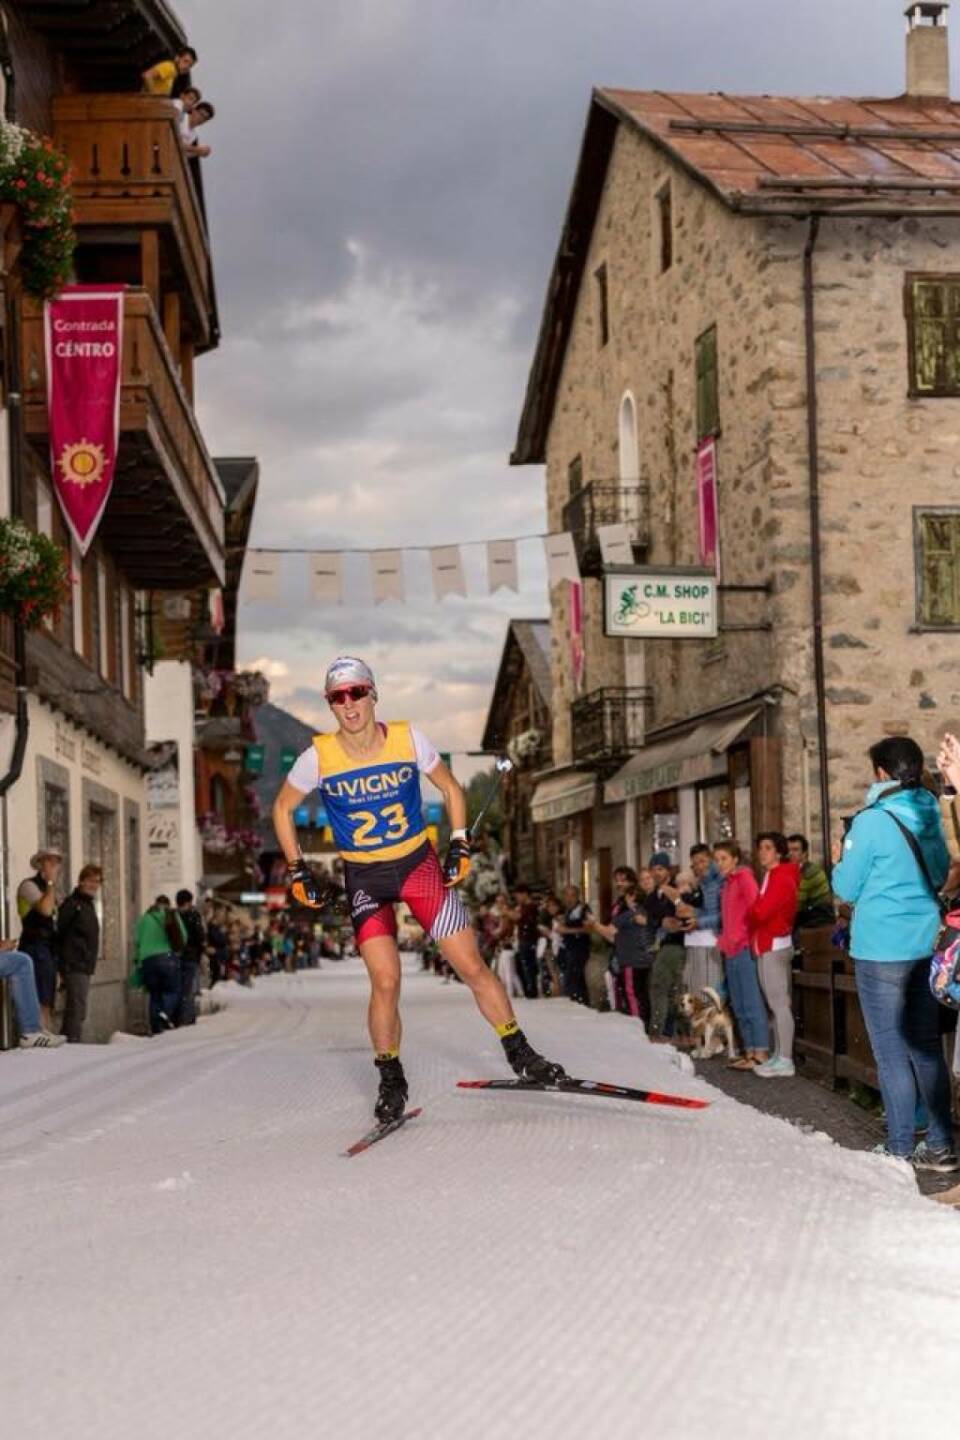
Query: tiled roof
(527, 645)
(761, 155)
(785, 152)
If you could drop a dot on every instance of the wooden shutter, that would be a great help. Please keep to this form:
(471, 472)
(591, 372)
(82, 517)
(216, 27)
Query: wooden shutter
(933, 326)
(708, 402)
(940, 568)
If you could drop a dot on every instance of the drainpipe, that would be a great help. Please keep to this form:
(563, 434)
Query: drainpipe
(816, 579)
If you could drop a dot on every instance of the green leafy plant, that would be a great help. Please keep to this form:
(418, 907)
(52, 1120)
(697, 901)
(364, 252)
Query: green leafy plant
(35, 576)
(35, 176)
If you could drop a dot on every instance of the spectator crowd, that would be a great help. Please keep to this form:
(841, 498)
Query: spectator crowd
(720, 934)
(172, 78)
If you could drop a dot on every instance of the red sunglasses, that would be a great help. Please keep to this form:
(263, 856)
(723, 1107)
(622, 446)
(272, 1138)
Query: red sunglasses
(351, 692)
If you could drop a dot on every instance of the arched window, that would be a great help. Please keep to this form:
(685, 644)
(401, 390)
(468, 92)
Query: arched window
(629, 451)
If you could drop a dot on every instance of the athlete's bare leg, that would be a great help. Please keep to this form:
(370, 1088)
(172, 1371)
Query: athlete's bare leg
(460, 951)
(382, 959)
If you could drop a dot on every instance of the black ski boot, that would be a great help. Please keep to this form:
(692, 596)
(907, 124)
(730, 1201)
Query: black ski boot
(527, 1064)
(393, 1090)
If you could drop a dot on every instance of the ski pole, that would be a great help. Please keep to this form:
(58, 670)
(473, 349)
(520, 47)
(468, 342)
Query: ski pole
(503, 766)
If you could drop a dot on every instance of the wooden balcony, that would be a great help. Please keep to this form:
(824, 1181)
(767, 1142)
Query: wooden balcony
(164, 519)
(132, 180)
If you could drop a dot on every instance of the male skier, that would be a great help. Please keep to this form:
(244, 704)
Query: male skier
(368, 773)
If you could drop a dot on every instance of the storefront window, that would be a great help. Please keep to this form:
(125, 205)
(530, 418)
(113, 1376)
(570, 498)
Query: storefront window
(713, 813)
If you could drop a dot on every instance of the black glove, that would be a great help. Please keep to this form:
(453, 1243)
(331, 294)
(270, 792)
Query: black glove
(306, 887)
(456, 867)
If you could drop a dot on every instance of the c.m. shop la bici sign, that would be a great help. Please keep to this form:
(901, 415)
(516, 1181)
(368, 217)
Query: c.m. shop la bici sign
(647, 604)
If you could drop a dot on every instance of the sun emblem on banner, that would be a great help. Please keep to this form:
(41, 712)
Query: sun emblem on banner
(83, 463)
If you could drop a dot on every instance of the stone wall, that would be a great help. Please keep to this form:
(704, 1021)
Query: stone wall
(881, 453)
(717, 277)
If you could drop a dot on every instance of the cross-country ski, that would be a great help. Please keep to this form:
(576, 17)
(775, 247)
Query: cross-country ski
(380, 1132)
(597, 1088)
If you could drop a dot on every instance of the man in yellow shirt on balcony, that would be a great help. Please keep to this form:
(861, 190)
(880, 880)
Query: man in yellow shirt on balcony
(169, 77)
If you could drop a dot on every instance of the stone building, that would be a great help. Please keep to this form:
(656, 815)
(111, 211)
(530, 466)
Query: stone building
(519, 726)
(781, 275)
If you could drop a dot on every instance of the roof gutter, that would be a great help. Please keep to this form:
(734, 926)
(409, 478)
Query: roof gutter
(816, 577)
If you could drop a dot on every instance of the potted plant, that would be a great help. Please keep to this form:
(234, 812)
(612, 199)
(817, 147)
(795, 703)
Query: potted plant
(35, 575)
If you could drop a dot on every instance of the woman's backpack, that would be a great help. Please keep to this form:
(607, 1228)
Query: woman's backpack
(945, 963)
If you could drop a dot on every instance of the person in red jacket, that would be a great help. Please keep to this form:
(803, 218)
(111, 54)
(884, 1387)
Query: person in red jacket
(771, 921)
(739, 892)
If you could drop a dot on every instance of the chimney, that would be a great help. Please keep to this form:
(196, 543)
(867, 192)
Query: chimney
(928, 56)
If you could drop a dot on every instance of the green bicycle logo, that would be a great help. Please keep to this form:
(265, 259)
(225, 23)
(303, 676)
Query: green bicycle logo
(630, 608)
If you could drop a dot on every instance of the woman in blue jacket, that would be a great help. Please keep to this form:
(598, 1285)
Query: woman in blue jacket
(895, 922)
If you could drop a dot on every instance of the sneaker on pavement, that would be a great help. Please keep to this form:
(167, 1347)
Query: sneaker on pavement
(41, 1040)
(778, 1066)
(941, 1160)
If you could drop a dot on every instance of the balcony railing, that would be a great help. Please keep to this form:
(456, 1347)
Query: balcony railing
(606, 502)
(164, 519)
(609, 724)
(131, 176)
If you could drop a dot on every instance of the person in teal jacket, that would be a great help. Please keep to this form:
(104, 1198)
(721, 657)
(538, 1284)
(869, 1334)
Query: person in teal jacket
(896, 917)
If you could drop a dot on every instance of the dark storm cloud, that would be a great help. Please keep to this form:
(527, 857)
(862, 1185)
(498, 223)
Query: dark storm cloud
(386, 193)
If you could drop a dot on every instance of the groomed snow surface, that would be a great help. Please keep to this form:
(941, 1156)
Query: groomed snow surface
(185, 1253)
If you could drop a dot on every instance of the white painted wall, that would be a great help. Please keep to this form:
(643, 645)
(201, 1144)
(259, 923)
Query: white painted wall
(168, 713)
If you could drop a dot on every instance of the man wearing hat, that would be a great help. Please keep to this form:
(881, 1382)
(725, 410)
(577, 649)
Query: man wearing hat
(37, 908)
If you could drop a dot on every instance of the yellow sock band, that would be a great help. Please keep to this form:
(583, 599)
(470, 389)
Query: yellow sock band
(509, 1028)
(387, 1054)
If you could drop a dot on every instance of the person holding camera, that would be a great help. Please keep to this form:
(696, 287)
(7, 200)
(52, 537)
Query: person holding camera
(890, 867)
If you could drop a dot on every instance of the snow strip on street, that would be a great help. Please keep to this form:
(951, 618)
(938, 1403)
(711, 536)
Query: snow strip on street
(185, 1253)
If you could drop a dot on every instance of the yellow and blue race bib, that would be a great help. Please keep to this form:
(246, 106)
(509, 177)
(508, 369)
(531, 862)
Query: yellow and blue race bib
(374, 807)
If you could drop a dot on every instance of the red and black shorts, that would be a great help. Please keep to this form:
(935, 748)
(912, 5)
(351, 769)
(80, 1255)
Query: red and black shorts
(417, 881)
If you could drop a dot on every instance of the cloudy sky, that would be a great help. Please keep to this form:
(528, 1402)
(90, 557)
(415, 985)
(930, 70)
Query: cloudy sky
(386, 192)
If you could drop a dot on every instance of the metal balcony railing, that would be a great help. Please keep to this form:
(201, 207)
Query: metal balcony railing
(609, 724)
(606, 502)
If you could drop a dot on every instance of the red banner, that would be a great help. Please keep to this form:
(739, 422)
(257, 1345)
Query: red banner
(577, 654)
(83, 332)
(707, 504)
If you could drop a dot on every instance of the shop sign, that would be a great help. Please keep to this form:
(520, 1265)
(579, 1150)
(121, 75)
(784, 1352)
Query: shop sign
(253, 760)
(563, 805)
(253, 897)
(164, 848)
(63, 744)
(658, 777)
(287, 757)
(643, 603)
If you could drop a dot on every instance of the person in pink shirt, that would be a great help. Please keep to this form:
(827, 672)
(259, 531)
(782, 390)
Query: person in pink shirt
(771, 939)
(737, 896)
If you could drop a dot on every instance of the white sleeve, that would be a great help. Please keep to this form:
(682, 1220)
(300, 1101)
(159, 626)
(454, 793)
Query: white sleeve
(427, 756)
(304, 774)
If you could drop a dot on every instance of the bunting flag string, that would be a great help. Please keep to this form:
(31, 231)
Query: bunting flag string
(388, 575)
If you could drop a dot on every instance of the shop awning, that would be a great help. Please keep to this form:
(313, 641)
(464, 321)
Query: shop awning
(695, 756)
(562, 795)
